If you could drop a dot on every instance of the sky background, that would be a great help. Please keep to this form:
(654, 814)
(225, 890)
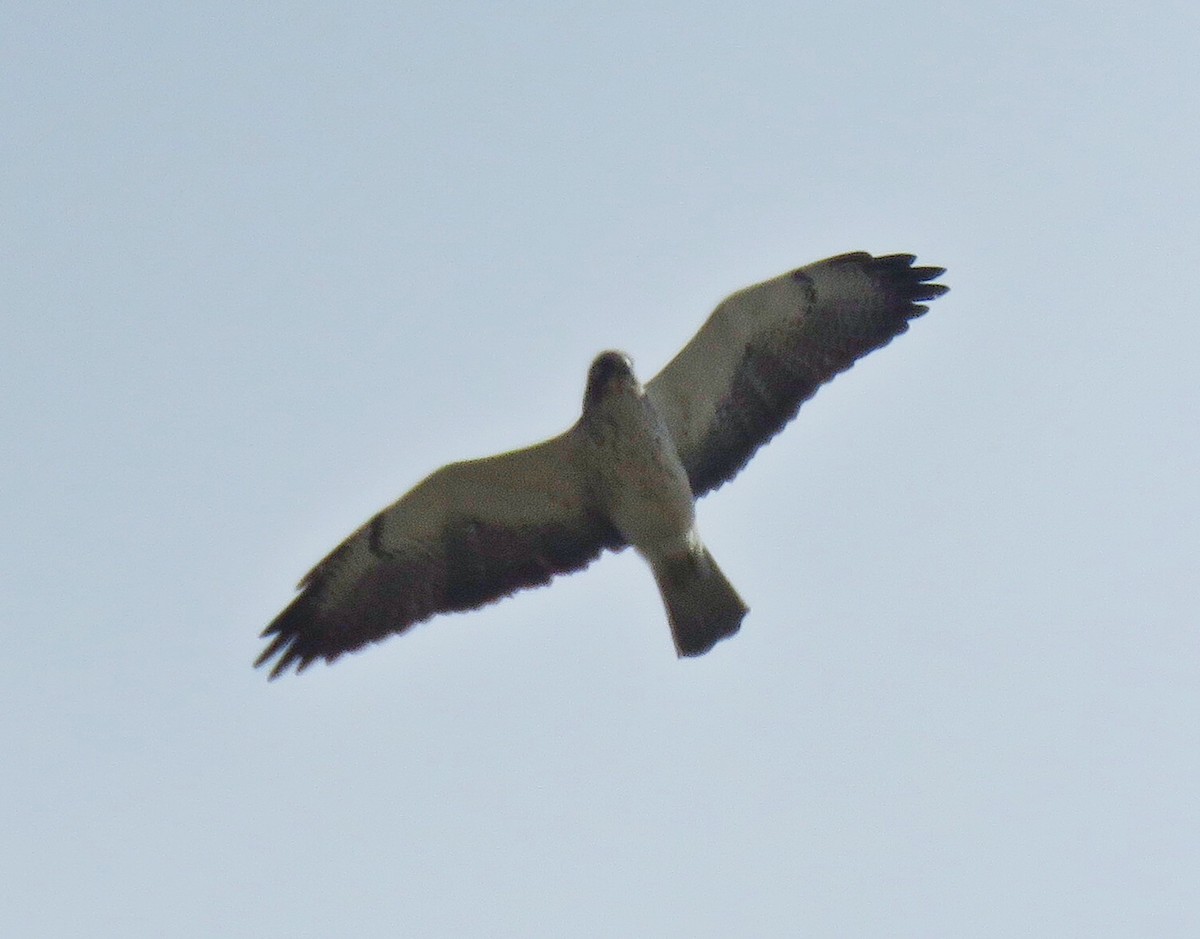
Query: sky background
(265, 266)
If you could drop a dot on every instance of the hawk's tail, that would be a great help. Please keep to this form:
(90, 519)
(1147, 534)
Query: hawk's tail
(702, 606)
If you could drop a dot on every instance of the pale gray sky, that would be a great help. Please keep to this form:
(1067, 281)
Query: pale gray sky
(264, 267)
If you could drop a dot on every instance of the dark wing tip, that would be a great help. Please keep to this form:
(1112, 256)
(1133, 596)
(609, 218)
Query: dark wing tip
(906, 286)
(929, 292)
(928, 273)
(921, 288)
(286, 633)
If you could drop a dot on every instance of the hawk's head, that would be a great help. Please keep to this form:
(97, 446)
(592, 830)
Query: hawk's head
(611, 371)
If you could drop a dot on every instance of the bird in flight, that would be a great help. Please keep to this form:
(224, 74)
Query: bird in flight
(627, 472)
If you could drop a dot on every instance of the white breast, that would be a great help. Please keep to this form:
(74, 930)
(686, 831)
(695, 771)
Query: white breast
(637, 474)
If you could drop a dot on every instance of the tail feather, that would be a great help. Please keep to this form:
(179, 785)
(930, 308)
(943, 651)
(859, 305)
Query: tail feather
(702, 606)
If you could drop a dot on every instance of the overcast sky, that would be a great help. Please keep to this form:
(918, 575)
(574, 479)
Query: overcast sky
(266, 266)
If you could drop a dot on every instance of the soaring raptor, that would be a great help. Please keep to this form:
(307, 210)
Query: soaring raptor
(627, 473)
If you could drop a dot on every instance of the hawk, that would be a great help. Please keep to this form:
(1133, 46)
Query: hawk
(627, 473)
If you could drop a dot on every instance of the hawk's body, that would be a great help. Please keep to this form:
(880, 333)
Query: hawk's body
(634, 470)
(627, 473)
(640, 485)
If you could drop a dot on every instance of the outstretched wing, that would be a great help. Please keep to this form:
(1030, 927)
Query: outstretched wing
(469, 534)
(766, 349)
